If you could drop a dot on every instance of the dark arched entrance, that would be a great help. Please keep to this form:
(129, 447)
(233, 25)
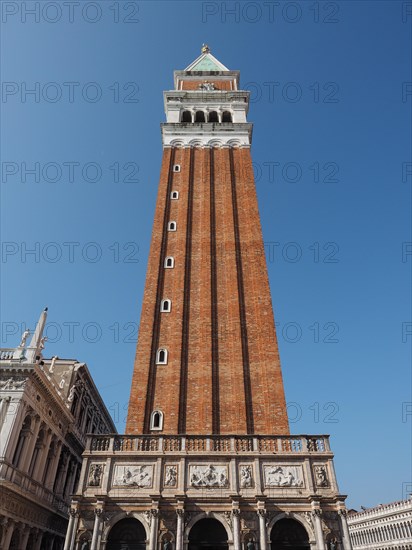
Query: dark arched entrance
(289, 534)
(208, 534)
(127, 534)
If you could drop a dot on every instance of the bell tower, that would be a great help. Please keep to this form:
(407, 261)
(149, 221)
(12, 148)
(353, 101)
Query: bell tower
(207, 359)
(207, 461)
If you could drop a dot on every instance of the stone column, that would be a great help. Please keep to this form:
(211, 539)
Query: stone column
(66, 486)
(70, 486)
(262, 529)
(41, 461)
(8, 533)
(69, 532)
(347, 545)
(4, 405)
(51, 474)
(154, 520)
(24, 537)
(11, 429)
(236, 528)
(179, 529)
(74, 531)
(28, 452)
(96, 529)
(317, 522)
(39, 537)
(62, 472)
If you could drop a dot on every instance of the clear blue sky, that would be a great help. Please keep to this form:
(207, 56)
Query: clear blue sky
(331, 134)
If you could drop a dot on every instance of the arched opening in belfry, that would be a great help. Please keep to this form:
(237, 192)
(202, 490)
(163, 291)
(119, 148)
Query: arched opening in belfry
(208, 534)
(289, 534)
(186, 116)
(200, 116)
(213, 117)
(226, 116)
(127, 534)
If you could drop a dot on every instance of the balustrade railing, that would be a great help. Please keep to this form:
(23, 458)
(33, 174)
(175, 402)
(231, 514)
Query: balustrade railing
(215, 444)
(6, 353)
(30, 485)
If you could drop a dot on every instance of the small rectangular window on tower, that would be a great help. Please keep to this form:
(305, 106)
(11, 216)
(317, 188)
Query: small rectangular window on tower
(176, 168)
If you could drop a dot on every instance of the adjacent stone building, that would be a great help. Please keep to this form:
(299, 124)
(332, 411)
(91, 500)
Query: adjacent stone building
(385, 527)
(208, 462)
(47, 406)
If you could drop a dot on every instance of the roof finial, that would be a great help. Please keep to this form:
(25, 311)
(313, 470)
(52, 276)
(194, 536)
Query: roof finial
(205, 48)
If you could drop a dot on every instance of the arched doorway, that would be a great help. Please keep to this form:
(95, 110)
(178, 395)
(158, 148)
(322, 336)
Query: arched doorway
(127, 534)
(208, 534)
(289, 534)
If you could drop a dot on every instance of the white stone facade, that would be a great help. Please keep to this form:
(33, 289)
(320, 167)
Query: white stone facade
(385, 527)
(46, 408)
(169, 483)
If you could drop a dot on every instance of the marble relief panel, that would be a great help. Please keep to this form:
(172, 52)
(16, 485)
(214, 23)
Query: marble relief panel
(208, 475)
(283, 475)
(133, 475)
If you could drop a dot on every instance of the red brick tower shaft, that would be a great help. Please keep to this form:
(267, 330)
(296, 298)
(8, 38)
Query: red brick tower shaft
(207, 359)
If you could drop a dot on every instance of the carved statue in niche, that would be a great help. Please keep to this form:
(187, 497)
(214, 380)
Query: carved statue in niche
(171, 476)
(246, 476)
(95, 475)
(321, 476)
(209, 476)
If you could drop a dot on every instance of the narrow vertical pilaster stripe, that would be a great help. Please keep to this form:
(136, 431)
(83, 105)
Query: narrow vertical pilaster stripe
(242, 310)
(186, 303)
(150, 390)
(215, 322)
